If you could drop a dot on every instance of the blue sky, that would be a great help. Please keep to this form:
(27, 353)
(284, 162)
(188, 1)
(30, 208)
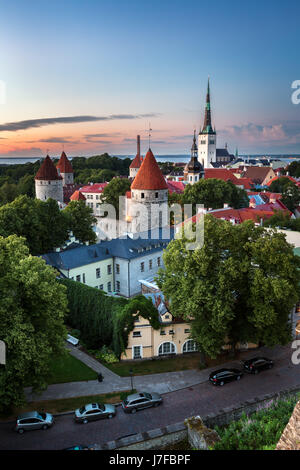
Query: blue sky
(131, 63)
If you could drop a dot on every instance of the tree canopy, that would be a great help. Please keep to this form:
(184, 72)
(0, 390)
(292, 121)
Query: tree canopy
(44, 225)
(32, 310)
(115, 188)
(240, 286)
(80, 220)
(214, 193)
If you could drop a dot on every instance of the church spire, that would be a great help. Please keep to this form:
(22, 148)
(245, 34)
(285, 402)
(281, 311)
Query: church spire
(207, 127)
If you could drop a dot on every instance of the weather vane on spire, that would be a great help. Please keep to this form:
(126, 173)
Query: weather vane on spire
(149, 134)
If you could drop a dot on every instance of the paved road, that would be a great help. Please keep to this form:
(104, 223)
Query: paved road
(199, 399)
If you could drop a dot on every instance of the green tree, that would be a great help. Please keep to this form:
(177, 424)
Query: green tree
(115, 188)
(291, 196)
(240, 286)
(41, 223)
(80, 220)
(214, 193)
(32, 310)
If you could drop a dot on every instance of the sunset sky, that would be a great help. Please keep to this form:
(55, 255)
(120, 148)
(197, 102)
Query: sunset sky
(88, 76)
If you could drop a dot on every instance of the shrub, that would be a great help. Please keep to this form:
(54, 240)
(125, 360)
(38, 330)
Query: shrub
(259, 431)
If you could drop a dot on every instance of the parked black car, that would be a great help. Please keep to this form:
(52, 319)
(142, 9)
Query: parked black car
(256, 364)
(222, 376)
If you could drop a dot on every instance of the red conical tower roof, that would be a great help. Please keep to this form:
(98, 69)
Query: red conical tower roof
(47, 171)
(64, 165)
(136, 162)
(149, 175)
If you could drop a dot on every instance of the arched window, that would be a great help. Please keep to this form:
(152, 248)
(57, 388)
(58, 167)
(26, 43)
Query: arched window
(166, 348)
(189, 346)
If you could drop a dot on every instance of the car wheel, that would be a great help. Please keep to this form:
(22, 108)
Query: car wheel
(21, 431)
(44, 426)
(156, 404)
(133, 410)
(110, 416)
(85, 421)
(221, 383)
(238, 377)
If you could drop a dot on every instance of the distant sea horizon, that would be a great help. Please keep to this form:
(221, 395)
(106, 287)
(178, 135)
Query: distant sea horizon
(160, 158)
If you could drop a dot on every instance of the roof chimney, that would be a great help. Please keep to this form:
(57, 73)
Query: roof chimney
(138, 145)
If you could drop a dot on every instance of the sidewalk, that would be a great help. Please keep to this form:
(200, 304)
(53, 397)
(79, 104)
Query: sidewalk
(160, 383)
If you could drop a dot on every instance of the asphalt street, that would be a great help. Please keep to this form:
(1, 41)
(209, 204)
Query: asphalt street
(196, 400)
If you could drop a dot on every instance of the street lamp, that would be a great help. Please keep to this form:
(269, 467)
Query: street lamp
(131, 379)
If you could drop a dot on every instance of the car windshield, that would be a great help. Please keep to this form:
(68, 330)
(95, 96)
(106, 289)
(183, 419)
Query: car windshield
(41, 416)
(82, 409)
(101, 406)
(126, 402)
(147, 395)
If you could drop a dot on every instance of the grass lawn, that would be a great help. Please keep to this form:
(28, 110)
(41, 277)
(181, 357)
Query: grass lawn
(69, 369)
(157, 366)
(65, 404)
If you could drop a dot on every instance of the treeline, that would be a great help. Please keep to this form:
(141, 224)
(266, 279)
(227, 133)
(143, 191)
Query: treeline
(16, 180)
(99, 168)
(104, 320)
(293, 169)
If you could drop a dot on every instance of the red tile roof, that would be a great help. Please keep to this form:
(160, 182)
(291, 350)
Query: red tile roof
(93, 188)
(149, 176)
(64, 165)
(175, 186)
(263, 211)
(77, 196)
(221, 174)
(47, 171)
(283, 176)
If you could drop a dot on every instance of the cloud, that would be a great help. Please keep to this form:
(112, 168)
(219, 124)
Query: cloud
(23, 125)
(19, 152)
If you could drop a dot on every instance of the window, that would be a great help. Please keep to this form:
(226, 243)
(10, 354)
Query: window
(136, 334)
(142, 195)
(142, 267)
(109, 269)
(162, 332)
(109, 287)
(189, 346)
(101, 287)
(171, 332)
(98, 273)
(187, 330)
(83, 278)
(158, 261)
(137, 352)
(118, 286)
(150, 264)
(156, 195)
(117, 268)
(78, 278)
(166, 348)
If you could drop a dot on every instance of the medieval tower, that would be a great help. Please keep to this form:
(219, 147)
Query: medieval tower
(48, 183)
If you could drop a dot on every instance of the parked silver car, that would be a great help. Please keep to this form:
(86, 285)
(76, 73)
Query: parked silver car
(94, 411)
(139, 401)
(33, 420)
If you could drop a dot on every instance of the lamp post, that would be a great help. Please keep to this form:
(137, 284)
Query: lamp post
(131, 379)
